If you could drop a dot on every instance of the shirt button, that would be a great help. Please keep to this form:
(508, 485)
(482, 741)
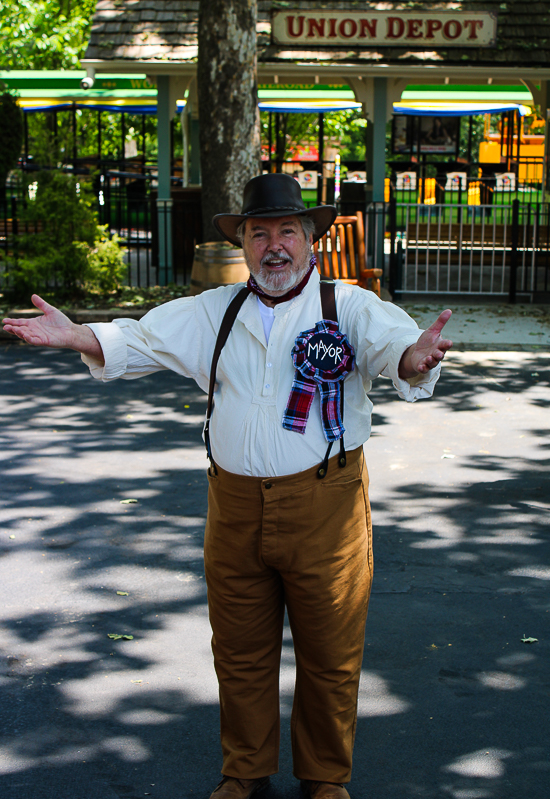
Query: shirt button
(268, 365)
(267, 385)
(268, 485)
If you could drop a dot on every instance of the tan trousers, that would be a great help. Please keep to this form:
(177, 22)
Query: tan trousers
(306, 543)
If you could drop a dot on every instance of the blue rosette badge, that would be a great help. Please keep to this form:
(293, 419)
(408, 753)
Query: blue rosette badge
(322, 358)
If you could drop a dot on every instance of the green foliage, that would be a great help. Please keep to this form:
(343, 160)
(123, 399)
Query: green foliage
(106, 267)
(44, 34)
(11, 134)
(349, 128)
(294, 129)
(62, 246)
(52, 144)
(346, 129)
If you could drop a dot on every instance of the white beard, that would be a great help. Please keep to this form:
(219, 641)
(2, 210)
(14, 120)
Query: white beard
(274, 283)
(271, 281)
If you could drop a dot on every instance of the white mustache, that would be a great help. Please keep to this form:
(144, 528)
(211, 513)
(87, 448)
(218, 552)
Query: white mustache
(275, 256)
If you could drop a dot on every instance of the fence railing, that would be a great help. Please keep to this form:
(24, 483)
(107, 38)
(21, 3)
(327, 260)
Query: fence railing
(461, 189)
(159, 236)
(124, 205)
(452, 249)
(497, 248)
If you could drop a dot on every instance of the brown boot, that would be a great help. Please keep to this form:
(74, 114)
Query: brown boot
(233, 788)
(324, 790)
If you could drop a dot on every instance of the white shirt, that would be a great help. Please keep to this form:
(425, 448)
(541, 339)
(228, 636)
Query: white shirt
(268, 317)
(254, 379)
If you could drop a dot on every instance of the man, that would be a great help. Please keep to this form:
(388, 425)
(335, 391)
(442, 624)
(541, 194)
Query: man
(288, 525)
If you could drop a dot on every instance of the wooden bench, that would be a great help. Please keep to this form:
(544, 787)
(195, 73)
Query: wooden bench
(341, 254)
(475, 236)
(454, 234)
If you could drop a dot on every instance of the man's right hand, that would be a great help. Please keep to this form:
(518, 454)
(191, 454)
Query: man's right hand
(54, 329)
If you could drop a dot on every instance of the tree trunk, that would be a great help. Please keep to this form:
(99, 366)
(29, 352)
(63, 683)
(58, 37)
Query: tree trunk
(228, 105)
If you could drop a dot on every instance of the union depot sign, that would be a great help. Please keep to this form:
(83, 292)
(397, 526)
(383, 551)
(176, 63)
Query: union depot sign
(324, 27)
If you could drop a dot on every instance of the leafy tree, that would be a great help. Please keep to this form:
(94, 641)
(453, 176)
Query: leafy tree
(44, 34)
(63, 248)
(348, 128)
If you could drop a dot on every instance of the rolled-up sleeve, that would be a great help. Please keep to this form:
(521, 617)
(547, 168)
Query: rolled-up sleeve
(167, 337)
(383, 333)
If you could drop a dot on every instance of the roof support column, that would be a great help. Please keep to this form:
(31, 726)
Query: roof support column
(377, 171)
(378, 162)
(164, 201)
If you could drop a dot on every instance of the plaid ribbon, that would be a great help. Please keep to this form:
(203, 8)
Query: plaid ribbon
(308, 355)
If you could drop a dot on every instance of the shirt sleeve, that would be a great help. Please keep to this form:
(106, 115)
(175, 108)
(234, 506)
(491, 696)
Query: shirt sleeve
(382, 333)
(167, 337)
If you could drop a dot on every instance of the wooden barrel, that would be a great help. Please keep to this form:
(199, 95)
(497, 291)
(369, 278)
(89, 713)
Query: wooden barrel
(217, 263)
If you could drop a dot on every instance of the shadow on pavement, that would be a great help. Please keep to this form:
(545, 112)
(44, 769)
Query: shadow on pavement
(452, 703)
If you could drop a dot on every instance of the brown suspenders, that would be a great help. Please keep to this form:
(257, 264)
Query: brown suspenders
(225, 329)
(328, 306)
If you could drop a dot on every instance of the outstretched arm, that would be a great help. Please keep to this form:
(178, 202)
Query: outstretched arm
(54, 329)
(428, 351)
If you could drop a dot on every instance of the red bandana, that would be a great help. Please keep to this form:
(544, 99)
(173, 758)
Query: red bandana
(253, 286)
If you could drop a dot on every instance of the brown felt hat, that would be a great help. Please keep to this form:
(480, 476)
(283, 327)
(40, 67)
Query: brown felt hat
(273, 195)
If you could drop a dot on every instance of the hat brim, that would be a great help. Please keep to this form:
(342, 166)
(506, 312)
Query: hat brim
(322, 215)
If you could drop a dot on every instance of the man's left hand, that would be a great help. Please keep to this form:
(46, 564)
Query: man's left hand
(428, 351)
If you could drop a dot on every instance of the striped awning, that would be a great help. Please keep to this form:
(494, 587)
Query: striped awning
(457, 109)
(49, 90)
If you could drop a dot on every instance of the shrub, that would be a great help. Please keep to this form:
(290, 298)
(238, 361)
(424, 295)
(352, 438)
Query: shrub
(106, 267)
(63, 248)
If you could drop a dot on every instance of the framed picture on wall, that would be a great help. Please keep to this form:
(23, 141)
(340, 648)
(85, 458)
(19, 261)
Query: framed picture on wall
(439, 134)
(425, 134)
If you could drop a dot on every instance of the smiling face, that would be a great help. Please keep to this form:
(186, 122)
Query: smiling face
(277, 253)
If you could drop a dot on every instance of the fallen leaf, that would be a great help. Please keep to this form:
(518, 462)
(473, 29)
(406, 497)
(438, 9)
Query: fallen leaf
(525, 640)
(117, 637)
(128, 501)
(446, 455)
(122, 593)
(12, 536)
(136, 682)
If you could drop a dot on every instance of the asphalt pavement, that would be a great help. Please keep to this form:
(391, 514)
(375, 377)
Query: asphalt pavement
(102, 509)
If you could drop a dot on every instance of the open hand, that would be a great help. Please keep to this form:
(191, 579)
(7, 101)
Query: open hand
(428, 351)
(53, 329)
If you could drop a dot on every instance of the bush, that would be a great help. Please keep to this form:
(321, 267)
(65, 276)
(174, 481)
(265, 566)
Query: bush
(106, 267)
(63, 247)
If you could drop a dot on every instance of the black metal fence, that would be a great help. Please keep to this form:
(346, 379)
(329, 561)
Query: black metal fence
(159, 236)
(452, 184)
(467, 250)
(487, 248)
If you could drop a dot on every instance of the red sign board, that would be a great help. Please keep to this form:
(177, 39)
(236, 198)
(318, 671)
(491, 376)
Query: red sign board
(328, 28)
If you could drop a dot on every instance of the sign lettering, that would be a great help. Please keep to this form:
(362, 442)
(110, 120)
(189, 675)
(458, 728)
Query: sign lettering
(363, 28)
(323, 351)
